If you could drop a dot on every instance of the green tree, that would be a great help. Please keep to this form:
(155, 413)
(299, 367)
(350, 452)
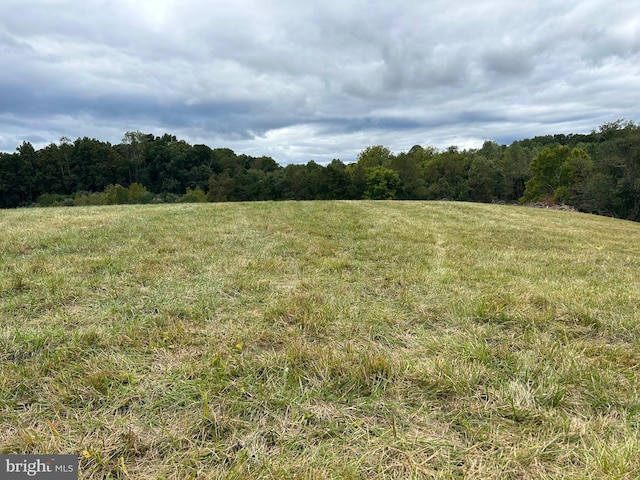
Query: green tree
(335, 180)
(408, 166)
(133, 149)
(575, 172)
(382, 183)
(514, 164)
(27, 165)
(264, 164)
(374, 156)
(559, 173)
(227, 160)
(157, 157)
(598, 195)
(96, 164)
(485, 180)
(357, 181)
(445, 175)
(49, 171)
(491, 151)
(546, 168)
(618, 152)
(221, 187)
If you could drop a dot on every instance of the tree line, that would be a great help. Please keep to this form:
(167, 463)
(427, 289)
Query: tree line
(597, 172)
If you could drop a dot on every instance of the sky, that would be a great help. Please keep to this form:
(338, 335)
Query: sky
(302, 80)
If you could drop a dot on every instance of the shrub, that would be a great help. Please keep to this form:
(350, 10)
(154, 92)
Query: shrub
(196, 195)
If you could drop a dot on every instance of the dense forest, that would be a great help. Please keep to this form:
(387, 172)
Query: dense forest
(597, 172)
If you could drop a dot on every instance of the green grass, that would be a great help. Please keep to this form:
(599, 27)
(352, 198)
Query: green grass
(322, 340)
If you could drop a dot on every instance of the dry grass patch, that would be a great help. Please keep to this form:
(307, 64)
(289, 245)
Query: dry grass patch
(321, 340)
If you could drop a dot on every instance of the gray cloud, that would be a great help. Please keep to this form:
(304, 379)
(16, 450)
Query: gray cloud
(316, 79)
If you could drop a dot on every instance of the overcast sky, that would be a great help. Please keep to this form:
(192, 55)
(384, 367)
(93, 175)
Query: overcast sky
(316, 79)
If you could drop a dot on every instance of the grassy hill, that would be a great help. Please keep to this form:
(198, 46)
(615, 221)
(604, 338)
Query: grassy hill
(322, 340)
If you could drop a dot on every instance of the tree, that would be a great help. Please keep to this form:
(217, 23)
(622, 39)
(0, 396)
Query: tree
(357, 181)
(296, 183)
(226, 159)
(618, 152)
(96, 164)
(12, 177)
(598, 194)
(485, 180)
(575, 172)
(177, 169)
(382, 183)
(514, 164)
(27, 167)
(203, 164)
(445, 175)
(374, 156)
(156, 157)
(408, 168)
(491, 151)
(547, 173)
(335, 180)
(133, 149)
(558, 173)
(202, 155)
(221, 187)
(264, 164)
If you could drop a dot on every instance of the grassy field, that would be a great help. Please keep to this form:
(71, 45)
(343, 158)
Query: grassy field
(322, 340)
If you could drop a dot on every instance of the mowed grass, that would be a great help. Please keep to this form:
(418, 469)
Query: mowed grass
(322, 340)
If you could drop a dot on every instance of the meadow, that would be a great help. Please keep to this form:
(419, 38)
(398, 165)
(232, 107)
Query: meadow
(349, 340)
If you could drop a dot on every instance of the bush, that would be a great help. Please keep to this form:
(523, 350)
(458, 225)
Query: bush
(116, 194)
(196, 195)
(49, 200)
(138, 193)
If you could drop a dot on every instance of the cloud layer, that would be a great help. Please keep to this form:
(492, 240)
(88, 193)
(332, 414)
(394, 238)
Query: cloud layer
(315, 79)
